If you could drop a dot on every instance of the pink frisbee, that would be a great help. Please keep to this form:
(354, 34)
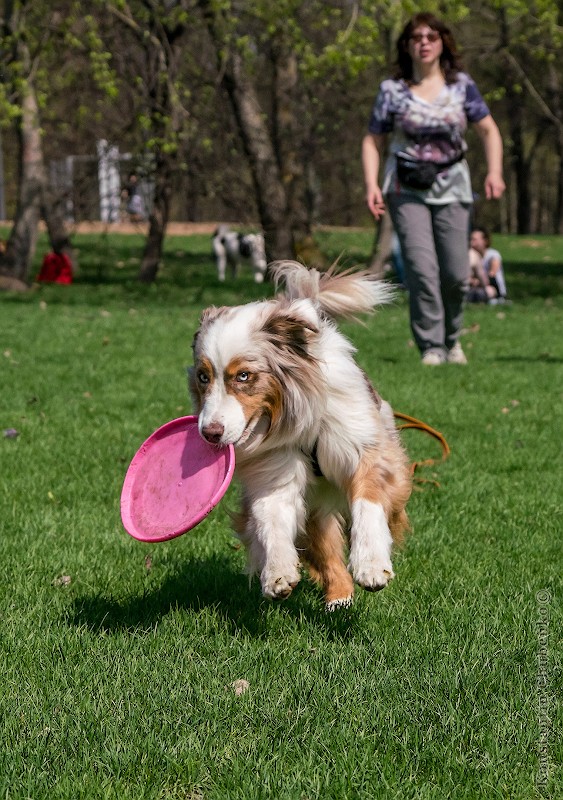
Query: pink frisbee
(174, 480)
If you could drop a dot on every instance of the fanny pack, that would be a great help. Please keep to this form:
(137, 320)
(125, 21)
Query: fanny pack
(421, 174)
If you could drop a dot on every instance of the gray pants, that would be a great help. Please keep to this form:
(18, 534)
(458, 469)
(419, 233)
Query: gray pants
(435, 248)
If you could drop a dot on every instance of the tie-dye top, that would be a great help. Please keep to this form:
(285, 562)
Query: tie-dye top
(429, 131)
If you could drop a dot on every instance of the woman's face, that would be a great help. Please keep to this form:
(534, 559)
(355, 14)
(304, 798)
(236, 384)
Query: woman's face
(478, 241)
(425, 45)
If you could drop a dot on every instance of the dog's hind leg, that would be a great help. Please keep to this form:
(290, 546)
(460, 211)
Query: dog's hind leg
(234, 265)
(259, 266)
(324, 553)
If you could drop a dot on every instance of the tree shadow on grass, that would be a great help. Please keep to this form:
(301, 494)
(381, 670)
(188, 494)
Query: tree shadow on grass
(541, 358)
(532, 281)
(212, 583)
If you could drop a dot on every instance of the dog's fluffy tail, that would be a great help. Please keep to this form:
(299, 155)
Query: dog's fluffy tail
(340, 295)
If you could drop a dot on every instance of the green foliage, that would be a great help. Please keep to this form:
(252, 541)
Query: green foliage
(9, 111)
(31, 53)
(100, 59)
(535, 26)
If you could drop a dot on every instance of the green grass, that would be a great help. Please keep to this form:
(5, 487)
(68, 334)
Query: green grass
(117, 684)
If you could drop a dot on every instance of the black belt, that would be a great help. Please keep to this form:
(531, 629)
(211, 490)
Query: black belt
(314, 461)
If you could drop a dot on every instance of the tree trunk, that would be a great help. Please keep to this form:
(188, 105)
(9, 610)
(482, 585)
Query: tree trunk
(34, 200)
(291, 136)
(57, 231)
(558, 210)
(293, 142)
(158, 221)
(520, 165)
(22, 241)
(557, 107)
(160, 42)
(274, 148)
(269, 188)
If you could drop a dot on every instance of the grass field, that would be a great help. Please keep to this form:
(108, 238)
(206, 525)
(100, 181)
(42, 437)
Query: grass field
(119, 659)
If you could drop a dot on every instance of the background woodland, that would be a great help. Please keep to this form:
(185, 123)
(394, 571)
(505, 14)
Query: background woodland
(251, 112)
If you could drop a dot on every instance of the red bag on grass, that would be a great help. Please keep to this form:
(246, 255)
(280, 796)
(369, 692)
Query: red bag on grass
(56, 268)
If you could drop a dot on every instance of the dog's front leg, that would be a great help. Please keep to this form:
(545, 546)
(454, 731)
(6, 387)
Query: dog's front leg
(370, 545)
(221, 258)
(276, 529)
(270, 538)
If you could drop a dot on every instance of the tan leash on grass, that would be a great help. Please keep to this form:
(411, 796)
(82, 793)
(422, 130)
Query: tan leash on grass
(413, 423)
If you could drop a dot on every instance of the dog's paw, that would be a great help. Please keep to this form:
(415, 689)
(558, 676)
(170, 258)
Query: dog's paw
(373, 576)
(342, 602)
(278, 587)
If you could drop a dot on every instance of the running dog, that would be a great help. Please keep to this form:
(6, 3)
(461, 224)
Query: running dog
(318, 455)
(232, 248)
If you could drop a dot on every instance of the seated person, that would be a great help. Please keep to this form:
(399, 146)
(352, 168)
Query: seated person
(135, 206)
(480, 290)
(492, 262)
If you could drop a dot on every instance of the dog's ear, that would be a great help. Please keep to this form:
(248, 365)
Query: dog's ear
(290, 333)
(210, 314)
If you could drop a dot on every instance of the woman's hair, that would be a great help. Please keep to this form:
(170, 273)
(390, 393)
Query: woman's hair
(484, 233)
(450, 60)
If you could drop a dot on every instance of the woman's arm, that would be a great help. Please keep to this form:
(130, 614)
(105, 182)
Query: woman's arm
(494, 266)
(373, 148)
(489, 134)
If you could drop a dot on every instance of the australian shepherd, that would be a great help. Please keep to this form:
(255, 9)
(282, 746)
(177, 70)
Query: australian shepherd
(323, 472)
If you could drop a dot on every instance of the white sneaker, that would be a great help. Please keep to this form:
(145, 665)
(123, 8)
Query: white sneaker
(433, 358)
(456, 355)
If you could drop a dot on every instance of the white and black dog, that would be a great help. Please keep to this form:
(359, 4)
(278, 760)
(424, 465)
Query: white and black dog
(230, 247)
(317, 450)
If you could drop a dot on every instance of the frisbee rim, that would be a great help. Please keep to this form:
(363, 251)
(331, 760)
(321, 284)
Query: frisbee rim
(138, 459)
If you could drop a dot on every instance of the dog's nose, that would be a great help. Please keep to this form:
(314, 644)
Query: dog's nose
(213, 432)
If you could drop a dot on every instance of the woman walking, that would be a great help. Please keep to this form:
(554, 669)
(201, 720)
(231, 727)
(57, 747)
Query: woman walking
(424, 111)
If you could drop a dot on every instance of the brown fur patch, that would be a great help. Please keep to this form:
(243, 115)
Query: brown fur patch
(198, 390)
(384, 477)
(260, 393)
(324, 553)
(289, 333)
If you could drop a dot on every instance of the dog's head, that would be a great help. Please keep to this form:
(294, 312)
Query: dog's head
(221, 231)
(252, 365)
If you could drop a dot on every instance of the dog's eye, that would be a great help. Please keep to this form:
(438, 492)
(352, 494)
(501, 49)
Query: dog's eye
(203, 377)
(242, 377)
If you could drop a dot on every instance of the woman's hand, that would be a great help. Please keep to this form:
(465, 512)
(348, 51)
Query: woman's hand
(494, 186)
(374, 200)
(489, 134)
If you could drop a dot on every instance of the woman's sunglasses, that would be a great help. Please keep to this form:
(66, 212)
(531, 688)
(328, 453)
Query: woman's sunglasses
(432, 36)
